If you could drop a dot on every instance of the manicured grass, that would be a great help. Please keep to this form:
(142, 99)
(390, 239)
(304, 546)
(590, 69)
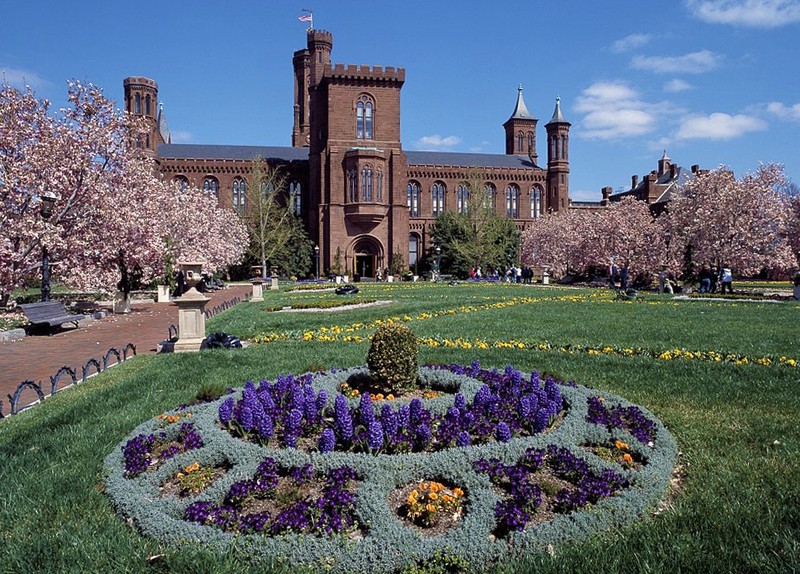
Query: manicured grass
(737, 508)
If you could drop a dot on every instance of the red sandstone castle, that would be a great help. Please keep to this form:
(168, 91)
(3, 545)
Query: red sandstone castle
(360, 194)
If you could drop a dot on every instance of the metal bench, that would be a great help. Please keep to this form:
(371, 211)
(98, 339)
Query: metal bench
(50, 313)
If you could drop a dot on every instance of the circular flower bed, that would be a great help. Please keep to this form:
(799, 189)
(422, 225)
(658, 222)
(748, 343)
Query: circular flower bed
(499, 464)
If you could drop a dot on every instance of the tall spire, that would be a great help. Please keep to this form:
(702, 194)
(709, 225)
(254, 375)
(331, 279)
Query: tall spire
(557, 115)
(520, 111)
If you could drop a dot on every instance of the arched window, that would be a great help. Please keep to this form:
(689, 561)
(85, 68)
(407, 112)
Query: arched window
(512, 201)
(239, 190)
(563, 147)
(366, 183)
(379, 195)
(295, 198)
(519, 141)
(181, 181)
(536, 202)
(147, 104)
(352, 185)
(211, 185)
(488, 197)
(437, 197)
(137, 106)
(462, 199)
(530, 142)
(413, 250)
(364, 108)
(412, 198)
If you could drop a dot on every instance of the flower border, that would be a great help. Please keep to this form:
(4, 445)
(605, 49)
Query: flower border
(389, 544)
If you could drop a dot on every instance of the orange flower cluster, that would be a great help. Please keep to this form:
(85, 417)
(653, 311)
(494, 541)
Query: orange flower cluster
(626, 457)
(430, 500)
(169, 419)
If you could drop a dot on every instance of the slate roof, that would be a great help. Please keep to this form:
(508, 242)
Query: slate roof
(469, 159)
(241, 152)
(435, 158)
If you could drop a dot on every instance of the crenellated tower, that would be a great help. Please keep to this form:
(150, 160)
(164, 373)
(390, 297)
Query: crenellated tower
(141, 99)
(557, 161)
(521, 131)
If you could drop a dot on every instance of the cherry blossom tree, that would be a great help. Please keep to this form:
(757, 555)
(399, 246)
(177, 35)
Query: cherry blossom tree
(111, 214)
(737, 223)
(579, 240)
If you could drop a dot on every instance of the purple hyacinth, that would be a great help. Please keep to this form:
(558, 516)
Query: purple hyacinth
(460, 402)
(502, 432)
(415, 410)
(422, 436)
(226, 411)
(343, 420)
(541, 420)
(375, 435)
(462, 438)
(389, 421)
(265, 428)
(327, 440)
(365, 411)
(246, 417)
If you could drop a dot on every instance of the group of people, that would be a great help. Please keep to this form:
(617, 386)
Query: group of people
(711, 280)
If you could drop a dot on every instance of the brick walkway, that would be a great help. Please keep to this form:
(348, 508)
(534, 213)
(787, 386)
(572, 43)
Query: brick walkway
(39, 357)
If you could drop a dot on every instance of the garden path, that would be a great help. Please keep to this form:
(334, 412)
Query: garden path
(39, 357)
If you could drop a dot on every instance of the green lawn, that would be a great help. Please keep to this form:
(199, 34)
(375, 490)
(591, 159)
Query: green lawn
(737, 508)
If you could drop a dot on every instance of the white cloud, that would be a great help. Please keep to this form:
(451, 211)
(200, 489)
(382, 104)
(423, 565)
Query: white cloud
(614, 110)
(784, 112)
(754, 13)
(21, 78)
(677, 85)
(692, 63)
(630, 42)
(436, 142)
(181, 136)
(718, 126)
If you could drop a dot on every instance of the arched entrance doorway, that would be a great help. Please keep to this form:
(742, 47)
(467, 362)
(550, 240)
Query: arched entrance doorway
(367, 256)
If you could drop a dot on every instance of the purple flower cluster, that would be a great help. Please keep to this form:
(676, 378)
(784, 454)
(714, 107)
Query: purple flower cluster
(507, 405)
(523, 496)
(286, 409)
(333, 511)
(142, 451)
(631, 419)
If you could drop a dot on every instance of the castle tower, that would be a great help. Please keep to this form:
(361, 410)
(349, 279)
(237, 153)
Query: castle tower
(521, 131)
(302, 81)
(141, 99)
(557, 160)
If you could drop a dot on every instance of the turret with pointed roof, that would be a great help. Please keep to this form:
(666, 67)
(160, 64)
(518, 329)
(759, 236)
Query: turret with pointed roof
(521, 130)
(558, 159)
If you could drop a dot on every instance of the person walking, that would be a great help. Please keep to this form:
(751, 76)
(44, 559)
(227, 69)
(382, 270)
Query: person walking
(726, 280)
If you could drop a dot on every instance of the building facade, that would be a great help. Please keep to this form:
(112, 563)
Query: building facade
(361, 196)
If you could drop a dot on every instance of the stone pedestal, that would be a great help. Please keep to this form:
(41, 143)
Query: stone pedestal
(258, 290)
(545, 278)
(191, 312)
(122, 302)
(274, 284)
(163, 294)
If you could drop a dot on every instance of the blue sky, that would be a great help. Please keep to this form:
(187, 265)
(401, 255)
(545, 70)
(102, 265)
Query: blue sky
(711, 82)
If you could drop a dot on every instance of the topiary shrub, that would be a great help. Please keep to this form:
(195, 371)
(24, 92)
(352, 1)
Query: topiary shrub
(393, 358)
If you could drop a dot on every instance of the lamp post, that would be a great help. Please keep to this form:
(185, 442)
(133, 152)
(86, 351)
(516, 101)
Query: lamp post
(438, 260)
(316, 261)
(46, 210)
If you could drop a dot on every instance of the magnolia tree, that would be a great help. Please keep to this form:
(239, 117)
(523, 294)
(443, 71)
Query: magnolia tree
(578, 240)
(111, 214)
(737, 223)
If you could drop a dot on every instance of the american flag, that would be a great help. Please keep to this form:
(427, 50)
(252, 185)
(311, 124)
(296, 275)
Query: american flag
(305, 17)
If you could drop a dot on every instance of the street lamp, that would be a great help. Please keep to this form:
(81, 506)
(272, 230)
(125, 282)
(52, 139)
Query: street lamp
(316, 260)
(438, 259)
(46, 210)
